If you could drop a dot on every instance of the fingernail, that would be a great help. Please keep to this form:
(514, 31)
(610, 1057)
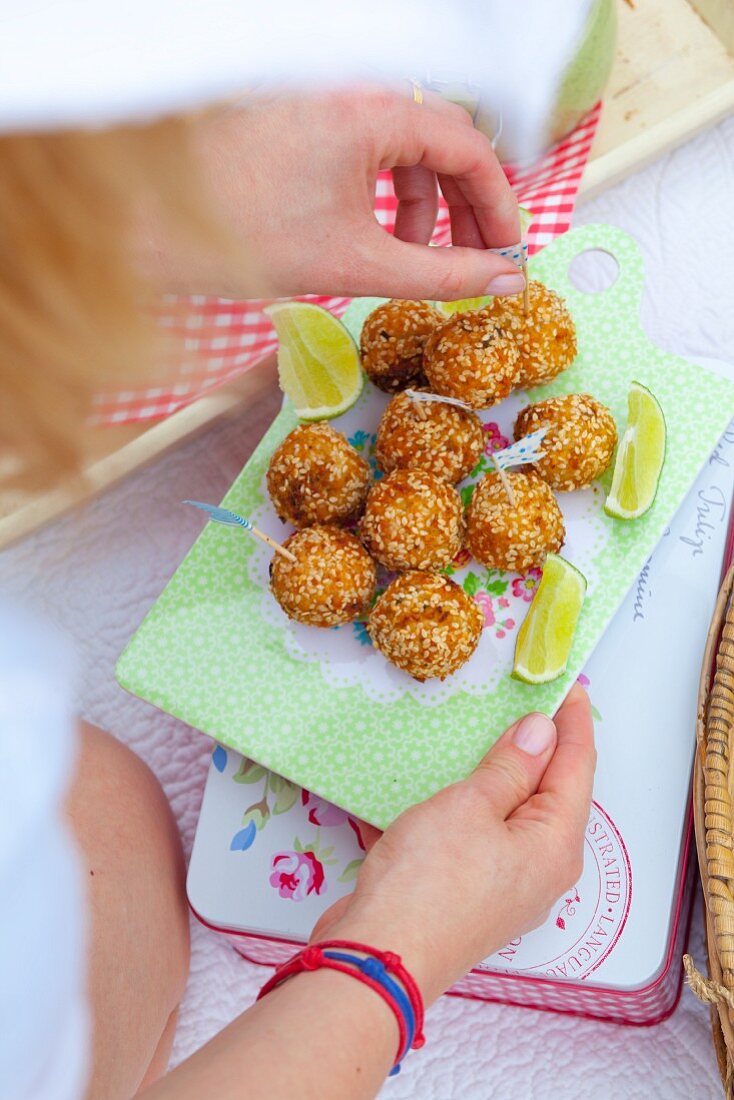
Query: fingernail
(506, 284)
(535, 734)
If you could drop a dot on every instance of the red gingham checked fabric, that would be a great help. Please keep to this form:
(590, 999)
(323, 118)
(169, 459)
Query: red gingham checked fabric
(223, 338)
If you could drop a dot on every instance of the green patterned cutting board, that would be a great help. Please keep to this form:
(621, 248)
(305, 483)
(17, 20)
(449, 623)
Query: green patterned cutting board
(322, 707)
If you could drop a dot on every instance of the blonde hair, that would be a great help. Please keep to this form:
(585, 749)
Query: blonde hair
(74, 314)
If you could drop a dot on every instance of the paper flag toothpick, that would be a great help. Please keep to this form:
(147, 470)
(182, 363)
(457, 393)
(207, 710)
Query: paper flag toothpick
(437, 397)
(518, 253)
(231, 519)
(525, 450)
(521, 453)
(221, 515)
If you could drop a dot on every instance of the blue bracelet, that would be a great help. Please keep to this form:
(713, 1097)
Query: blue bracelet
(373, 968)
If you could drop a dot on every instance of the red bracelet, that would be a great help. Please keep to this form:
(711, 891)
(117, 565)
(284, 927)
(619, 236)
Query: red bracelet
(313, 958)
(394, 964)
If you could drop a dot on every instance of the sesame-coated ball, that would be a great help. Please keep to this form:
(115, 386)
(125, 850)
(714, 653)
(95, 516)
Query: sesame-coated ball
(425, 624)
(412, 520)
(392, 342)
(331, 582)
(471, 358)
(316, 476)
(579, 443)
(433, 436)
(502, 536)
(545, 337)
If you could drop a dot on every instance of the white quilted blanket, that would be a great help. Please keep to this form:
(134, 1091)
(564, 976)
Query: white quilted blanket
(97, 572)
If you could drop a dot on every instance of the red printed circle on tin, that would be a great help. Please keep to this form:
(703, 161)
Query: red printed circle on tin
(587, 921)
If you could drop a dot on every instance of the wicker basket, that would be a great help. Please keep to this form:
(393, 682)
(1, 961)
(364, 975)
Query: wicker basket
(713, 795)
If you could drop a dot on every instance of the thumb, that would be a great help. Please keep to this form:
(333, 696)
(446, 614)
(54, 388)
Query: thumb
(401, 269)
(513, 768)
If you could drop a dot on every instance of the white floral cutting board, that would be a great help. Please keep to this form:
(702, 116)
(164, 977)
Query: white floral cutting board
(322, 707)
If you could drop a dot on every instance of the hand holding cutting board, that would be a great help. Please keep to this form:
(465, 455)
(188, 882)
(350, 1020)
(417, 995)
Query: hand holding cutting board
(515, 844)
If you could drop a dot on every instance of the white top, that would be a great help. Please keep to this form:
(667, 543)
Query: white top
(77, 62)
(43, 1024)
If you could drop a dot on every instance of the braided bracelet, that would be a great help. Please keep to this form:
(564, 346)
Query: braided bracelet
(381, 971)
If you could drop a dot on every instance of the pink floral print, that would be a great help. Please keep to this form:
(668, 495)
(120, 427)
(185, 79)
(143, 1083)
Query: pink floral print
(295, 875)
(523, 588)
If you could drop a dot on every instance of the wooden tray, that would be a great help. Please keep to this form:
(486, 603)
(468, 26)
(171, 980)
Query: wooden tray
(673, 77)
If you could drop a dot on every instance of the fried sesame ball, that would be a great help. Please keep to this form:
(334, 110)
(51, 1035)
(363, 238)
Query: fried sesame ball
(579, 443)
(433, 436)
(392, 342)
(517, 538)
(425, 624)
(316, 476)
(331, 582)
(546, 337)
(471, 358)
(412, 520)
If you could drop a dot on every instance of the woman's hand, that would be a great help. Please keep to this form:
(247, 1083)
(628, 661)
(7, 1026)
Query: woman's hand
(448, 883)
(458, 876)
(293, 176)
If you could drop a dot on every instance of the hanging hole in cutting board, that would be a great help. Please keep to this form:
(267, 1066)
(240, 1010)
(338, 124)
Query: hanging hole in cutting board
(593, 271)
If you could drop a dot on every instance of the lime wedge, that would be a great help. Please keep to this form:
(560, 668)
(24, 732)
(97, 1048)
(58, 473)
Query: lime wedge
(544, 639)
(462, 305)
(640, 457)
(318, 361)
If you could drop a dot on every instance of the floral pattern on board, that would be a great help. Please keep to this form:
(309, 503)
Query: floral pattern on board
(459, 561)
(365, 442)
(466, 491)
(361, 633)
(524, 587)
(501, 626)
(490, 593)
(494, 440)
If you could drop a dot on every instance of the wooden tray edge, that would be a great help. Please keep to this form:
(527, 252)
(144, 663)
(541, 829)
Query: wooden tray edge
(152, 443)
(606, 170)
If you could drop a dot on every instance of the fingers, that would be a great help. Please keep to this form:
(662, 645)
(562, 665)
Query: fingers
(433, 101)
(450, 148)
(415, 190)
(567, 783)
(513, 768)
(551, 824)
(464, 228)
(399, 269)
